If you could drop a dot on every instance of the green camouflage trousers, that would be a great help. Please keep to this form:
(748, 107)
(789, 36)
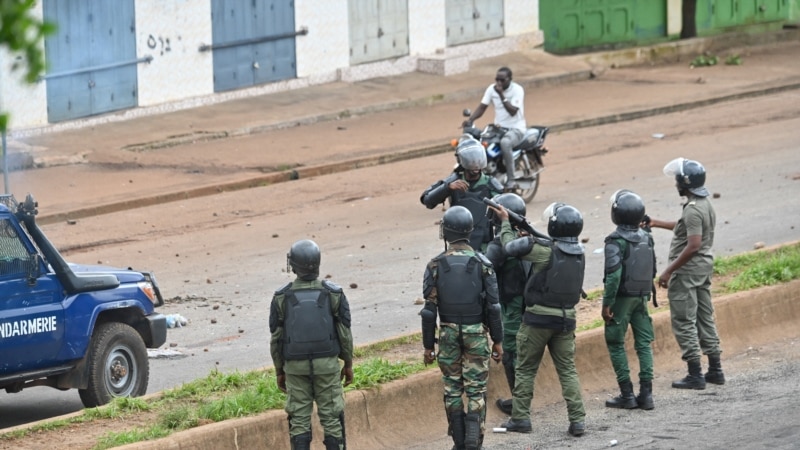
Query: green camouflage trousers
(301, 395)
(633, 311)
(464, 362)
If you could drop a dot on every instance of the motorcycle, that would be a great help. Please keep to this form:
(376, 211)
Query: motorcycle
(528, 163)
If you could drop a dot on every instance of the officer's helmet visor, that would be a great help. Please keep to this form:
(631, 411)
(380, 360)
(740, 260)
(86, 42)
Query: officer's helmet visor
(674, 167)
(472, 157)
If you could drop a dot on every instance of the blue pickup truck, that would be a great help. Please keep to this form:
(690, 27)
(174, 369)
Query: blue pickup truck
(71, 326)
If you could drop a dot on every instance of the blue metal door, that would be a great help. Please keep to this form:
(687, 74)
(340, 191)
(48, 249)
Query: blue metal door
(91, 58)
(253, 42)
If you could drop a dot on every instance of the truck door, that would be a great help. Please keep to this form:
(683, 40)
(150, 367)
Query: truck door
(31, 314)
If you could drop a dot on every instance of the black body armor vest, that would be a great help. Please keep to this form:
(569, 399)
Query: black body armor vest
(473, 201)
(309, 326)
(459, 285)
(638, 267)
(559, 285)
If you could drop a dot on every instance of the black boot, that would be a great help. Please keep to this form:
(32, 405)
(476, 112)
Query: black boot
(301, 441)
(518, 425)
(472, 436)
(332, 443)
(714, 374)
(645, 398)
(694, 380)
(509, 359)
(457, 429)
(626, 399)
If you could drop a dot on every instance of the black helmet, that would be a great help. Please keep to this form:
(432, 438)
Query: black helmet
(471, 155)
(304, 258)
(456, 224)
(627, 208)
(689, 175)
(509, 201)
(564, 222)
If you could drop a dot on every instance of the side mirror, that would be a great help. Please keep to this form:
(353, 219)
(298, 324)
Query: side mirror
(466, 112)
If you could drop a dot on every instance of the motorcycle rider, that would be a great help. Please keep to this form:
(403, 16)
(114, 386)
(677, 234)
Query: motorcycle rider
(508, 99)
(511, 276)
(467, 186)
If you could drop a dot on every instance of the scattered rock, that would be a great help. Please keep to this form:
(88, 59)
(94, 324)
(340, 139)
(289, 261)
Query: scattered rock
(71, 222)
(353, 286)
(274, 235)
(173, 344)
(213, 320)
(716, 195)
(215, 307)
(419, 301)
(584, 240)
(758, 245)
(208, 280)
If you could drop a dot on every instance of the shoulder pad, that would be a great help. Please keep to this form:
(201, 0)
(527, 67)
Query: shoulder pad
(520, 246)
(542, 241)
(483, 259)
(331, 286)
(284, 288)
(494, 184)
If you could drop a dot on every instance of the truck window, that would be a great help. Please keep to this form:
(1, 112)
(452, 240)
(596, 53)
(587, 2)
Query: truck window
(13, 254)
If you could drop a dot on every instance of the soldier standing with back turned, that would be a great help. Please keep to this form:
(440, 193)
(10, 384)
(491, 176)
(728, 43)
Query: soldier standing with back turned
(460, 288)
(310, 324)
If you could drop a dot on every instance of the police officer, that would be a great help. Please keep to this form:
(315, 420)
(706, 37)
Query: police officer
(628, 282)
(310, 324)
(460, 288)
(551, 293)
(511, 275)
(467, 186)
(688, 276)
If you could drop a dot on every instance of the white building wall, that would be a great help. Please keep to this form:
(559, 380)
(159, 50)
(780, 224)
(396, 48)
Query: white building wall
(521, 16)
(179, 76)
(171, 32)
(326, 47)
(25, 103)
(427, 29)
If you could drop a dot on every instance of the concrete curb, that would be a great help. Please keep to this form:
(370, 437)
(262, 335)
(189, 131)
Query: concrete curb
(408, 409)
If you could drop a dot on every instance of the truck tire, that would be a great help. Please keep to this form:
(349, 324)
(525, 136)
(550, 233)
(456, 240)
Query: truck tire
(118, 365)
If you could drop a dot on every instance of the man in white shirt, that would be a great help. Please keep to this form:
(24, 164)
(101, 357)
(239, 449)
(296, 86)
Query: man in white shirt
(508, 99)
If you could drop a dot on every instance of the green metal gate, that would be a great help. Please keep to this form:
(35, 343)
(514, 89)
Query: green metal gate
(716, 16)
(572, 25)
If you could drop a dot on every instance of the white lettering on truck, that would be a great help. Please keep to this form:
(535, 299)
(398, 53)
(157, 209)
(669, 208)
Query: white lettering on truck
(27, 326)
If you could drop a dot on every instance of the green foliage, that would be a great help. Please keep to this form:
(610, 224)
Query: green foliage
(376, 371)
(704, 60)
(371, 350)
(128, 437)
(763, 268)
(733, 60)
(22, 33)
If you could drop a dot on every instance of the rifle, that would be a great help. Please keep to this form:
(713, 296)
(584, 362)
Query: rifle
(517, 220)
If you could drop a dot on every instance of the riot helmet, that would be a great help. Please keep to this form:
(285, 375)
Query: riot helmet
(627, 208)
(509, 201)
(304, 259)
(564, 222)
(456, 224)
(471, 155)
(689, 175)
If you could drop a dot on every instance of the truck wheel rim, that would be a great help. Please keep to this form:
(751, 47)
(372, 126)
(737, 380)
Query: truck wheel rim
(120, 370)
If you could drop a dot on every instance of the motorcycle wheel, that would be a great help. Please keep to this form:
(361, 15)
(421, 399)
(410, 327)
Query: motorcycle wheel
(534, 173)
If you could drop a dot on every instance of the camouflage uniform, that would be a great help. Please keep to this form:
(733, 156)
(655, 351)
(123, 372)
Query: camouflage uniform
(464, 349)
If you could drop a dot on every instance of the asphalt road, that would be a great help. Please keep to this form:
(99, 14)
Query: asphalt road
(219, 258)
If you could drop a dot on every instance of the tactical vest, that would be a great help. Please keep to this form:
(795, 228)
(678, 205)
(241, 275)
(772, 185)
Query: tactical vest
(560, 283)
(473, 201)
(309, 326)
(638, 267)
(459, 285)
